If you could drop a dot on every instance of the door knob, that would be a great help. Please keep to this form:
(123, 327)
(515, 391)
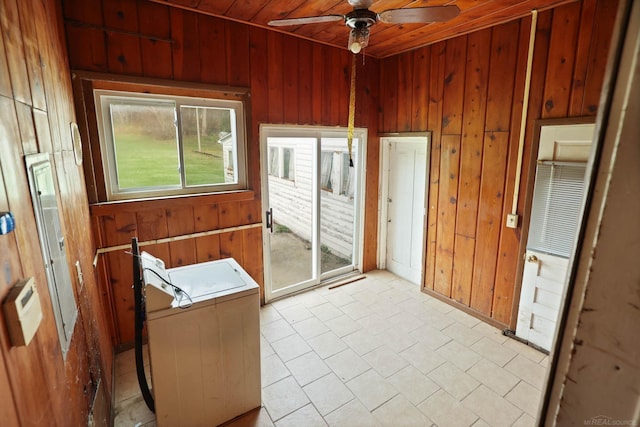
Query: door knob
(532, 258)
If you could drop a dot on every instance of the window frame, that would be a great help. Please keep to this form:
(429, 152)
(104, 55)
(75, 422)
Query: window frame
(109, 167)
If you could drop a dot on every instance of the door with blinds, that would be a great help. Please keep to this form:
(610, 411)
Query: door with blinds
(553, 225)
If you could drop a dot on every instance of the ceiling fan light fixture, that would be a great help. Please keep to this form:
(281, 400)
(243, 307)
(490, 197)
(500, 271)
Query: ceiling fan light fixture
(358, 39)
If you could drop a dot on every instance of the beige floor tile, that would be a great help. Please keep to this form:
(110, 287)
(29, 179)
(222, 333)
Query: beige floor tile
(459, 355)
(396, 341)
(437, 320)
(126, 386)
(356, 310)
(493, 409)
(525, 350)
(491, 332)
(489, 349)
(310, 328)
(525, 397)
(446, 411)
(373, 323)
(125, 361)
(273, 370)
(525, 420)
(265, 348)
(290, 347)
(276, 330)
(528, 370)
(464, 318)
(283, 398)
(328, 393)
(385, 309)
(385, 361)
(255, 418)
(362, 341)
(544, 362)
(392, 296)
(352, 414)
(462, 333)
(405, 323)
(327, 344)
(283, 303)
(432, 337)
(268, 314)
(342, 325)
(306, 416)
(326, 311)
(456, 382)
(339, 298)
(371, 389)
(365, 297)
(493, 376)
(310, 299)
(413, 384)
(131, 411)
(480, 423)
(438, 305)
(296, 313)
(399, 412)
(347, 364)
(422, 357)
(307, 368)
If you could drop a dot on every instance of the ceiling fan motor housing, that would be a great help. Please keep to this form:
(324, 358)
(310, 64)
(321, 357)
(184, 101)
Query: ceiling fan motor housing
(360, 18)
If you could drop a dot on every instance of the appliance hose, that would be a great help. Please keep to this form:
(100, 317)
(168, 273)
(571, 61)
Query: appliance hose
(139, 324)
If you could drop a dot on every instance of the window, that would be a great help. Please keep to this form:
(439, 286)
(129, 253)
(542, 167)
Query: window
(335, 169)
(281, 163)
(156, 145)
(556, 207)
(326, 165)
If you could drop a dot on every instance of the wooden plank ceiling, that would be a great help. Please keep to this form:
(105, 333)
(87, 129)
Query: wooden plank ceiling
(386, 40)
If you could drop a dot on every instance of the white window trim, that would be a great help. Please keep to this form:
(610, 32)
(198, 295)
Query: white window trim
(108, 154)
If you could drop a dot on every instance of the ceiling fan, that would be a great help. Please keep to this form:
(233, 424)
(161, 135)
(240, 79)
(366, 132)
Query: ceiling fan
(361, 18)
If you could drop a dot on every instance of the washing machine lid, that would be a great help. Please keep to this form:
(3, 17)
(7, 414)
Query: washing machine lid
(212, 279)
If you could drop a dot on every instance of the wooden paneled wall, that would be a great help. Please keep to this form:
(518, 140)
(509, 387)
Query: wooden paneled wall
(468, 91)
(37, 385)
(290, 81)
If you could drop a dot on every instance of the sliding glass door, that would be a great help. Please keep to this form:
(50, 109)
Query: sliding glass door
(311, 199)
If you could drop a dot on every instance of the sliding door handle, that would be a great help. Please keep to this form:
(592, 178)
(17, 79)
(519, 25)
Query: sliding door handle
(270, 219)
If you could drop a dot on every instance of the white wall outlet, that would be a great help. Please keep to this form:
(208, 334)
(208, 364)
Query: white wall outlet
(512, 221)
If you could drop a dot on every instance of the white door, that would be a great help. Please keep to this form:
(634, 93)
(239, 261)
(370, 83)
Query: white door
(553, 225)
(405, 206)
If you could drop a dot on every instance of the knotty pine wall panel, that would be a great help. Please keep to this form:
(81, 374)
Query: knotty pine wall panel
(468, 92)
(38, 385)
(290, 81)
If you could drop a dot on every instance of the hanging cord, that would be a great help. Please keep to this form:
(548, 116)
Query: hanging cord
(352, 109)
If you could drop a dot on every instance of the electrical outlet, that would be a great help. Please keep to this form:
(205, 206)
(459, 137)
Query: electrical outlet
(512, 221)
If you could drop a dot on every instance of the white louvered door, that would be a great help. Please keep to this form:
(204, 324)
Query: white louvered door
(553, 225)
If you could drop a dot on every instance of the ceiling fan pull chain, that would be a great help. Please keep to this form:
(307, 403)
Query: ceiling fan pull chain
(352, 108)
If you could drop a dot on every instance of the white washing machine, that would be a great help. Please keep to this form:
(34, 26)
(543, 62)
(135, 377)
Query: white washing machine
(204, 341)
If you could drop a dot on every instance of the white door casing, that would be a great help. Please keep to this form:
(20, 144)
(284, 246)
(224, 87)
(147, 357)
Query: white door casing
(562, 148)
(403, 205)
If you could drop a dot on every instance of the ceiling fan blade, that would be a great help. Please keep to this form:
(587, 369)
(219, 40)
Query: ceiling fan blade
(306, 20)
(360, 4)
(419, 14)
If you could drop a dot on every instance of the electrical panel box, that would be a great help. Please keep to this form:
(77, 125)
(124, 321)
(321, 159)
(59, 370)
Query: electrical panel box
(22, 312)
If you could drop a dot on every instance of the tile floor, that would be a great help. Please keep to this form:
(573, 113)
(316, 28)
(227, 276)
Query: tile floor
(376, 352)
